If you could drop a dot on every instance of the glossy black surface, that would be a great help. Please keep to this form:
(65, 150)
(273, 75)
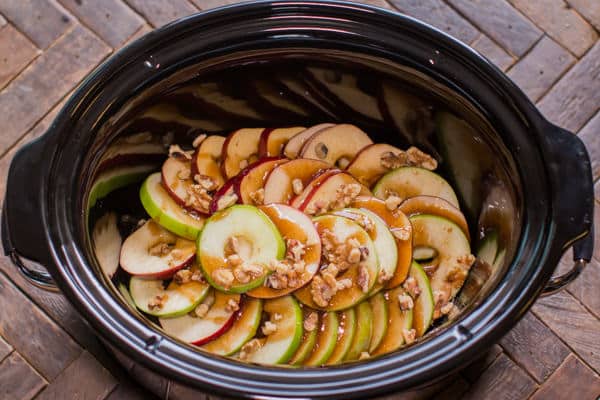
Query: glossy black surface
(539, 175)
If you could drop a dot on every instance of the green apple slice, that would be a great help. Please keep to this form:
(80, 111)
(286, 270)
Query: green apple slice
(326, 340)
(379, 307)
(114, 179)
(309, 339)
(180, 299)
(259, 240)
(409, 182)
(166, 212)
(243, 329)
(126, 295)
(453, 253)
(107, 243)
(364, 331)
(346, 332)
(383, 240)
(398, 322)
(488, 248)
(344, 229)
(281, 345)
(423, 303)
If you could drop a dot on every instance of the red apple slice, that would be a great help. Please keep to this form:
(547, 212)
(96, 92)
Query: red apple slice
(315, 182)
(367, 167)
(332, 145)
(435, 206)
(326, 196)
(279, 184)
(199, 331)
(272, 141)
(177, 180)
(253, 178)
(207, 159)
(225, 195)
(293, 225)
(240, 149)
(154, 252)
(294, 145)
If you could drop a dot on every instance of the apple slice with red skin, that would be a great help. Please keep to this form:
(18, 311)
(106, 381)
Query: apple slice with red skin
(228, 189)
(294, 145)
(253, 178)
(177, 180)
(293, 224)
(207, 159)
(320, 177)
(434, 206)
(278, 186)
(199, 331)
(272, 141)
(343, 141)
(240, 147)
(326, 192)
(366, 166)
(395, 220)
(136, 259)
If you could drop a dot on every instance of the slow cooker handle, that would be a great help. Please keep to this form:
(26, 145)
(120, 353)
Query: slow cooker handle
(23, 230)
(570, 168)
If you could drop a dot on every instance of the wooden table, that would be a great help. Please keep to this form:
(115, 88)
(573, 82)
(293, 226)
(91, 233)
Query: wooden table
(549, 47)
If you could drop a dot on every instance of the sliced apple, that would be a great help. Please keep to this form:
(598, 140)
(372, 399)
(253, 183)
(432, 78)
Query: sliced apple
(243, 329)
(344, 229)
(154, 252)
(488, 248)
(314, 183)
(163, 209)
(383, 240)
(326, 340)
(327, 193)
(434, 206)
(398, 322)
(293, 225)
(225, 195)
(366, 167)
(179, 299)
(279, 184)
(400, 227)
(364, 330)
(307, 345)
(207, 159)
(346, 331)
(259, 244)
(239, 150)
(107, 243)
(199, 331)
(423, 302)
(379, 306)
(294, 145)
(177, 180)
(272, 141)
(122, 288)
(408, 182)
(453, 259)
(333, 144)
(280, 346)
(114, 179)
(253, 178)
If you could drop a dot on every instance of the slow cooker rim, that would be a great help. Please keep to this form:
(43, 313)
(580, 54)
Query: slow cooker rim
(65, 257)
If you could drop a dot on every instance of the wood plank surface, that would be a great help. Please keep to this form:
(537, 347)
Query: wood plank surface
(159, 13)
(493, 52)
(573, 380)
(16, 51)
(18, 380)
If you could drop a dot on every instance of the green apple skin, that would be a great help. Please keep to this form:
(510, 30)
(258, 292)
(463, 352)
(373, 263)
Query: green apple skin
(364, 331)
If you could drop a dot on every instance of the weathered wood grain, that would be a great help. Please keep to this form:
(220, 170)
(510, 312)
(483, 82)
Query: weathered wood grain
(16, 51)
(85, 379)
(43, 343)
(140, 32)
(207, 4)
(28, 97)
(590, 134)
(42, 21)
(573, 324)
(585, 287)
(453, 391)
(540, 68)
(5, 349)
(130, 390)
(534, 347)
(159, 13)
(573, 380)
(502, 380)
(478, 367)
(493, 52)
(560, 23)
(440, 15)
(18, 380)
(575, 98)
(112, 20)
(589, 9)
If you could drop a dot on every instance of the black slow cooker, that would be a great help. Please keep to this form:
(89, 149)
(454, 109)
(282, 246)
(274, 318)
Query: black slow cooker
(540, 172)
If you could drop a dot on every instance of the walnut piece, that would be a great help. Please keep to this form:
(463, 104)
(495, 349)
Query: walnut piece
(405, 302)
(402, 233)
(223, 277)
(409, 335)
(250, 348)
(268, 328)
(364, 355)
(201, 310)
(157, 302)
(363, 279)
(232, 305)
(182, 276)
(226, 201)
(258, 197)
(392, 202)
(310, 322)
(297, 186)
(160, 249)
(412, 287)
(420, 159)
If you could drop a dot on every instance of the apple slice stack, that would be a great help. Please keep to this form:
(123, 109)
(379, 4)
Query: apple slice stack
(308, 246)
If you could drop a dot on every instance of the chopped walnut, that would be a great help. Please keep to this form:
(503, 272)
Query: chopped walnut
(258, 197)
(201, 310)
(199, 139)
(297, 186)
(205, 181)
(198, 197)
(197, 276)
(440, 299)
(364, 355)
(412, 287)
(268, 328)
(177, 152)
(354, 256)
(310, 322)
(405, 302)
(457, 274)
(320, 291)
(234, 260)
(241, 276)
(363, 279)
(277, 281)
(250, 348)
(409, 335)
(391, 160)
(184, 174)
(392, 202)
(182, 276)
(243, 164)
(345, 194)
(226, 201)
(342, 284)
(223, 277)
(318, 207)
(295, 250)
(383, 276)
(420, 159)
(365, 223)
(232, 246)
(157, 302)
(447, 308)
(232, 305)
(466, 260)
(159, 249)
(254, 270)
(402, 233)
